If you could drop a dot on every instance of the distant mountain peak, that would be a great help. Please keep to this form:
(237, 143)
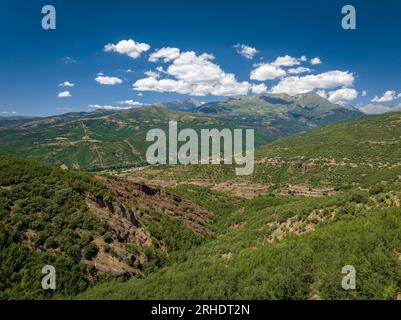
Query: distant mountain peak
(189, 104)
(283, 95)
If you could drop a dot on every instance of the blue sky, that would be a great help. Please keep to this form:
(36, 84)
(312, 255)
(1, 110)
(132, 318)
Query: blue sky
(355, 65)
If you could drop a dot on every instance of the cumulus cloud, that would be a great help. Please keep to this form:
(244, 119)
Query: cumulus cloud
(245, 51)
(274, 70)
(193, 74)
(64, 94)
(162, 85)
(266, 71)
(298, 70)
(364, 93)
(106, 80)
(107, 107)
(152, 74)
(128, 47)
(131, 102)
(259, 88)
(66, 84)
(166, 54)
(193, 68)
(388, 96)
(286, 61)
(342, 96)
(315, 61)
(328, 80)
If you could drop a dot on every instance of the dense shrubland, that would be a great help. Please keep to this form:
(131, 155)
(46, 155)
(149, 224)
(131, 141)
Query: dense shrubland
(356, 227)
(45, 219)
(41, 213)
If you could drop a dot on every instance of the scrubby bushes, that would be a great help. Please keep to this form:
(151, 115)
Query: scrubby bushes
(41, 210)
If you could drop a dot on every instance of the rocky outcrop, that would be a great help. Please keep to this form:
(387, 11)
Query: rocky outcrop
(298, 165)
(294, 165)
(134, 207)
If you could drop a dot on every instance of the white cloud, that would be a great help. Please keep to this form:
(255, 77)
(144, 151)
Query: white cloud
(266, 71)
(245, 51)
(315, 61)
(259, 88)
(298, 70)
(190, 67)
(193, 74)
(106, 80)
(152, 74)
(107, 107)
(228, 86)
(130, 103)
(64, 94)
(162, 85)
(140, 94)
(342, 96)
(379, 109)
(166, 54)
(286, 61)
(388, 96)
(327, 80)
(364, 93)
(68, 60)
(9, 112)
(274, 70)
(128, 47)
(66, 84)
(322, 93)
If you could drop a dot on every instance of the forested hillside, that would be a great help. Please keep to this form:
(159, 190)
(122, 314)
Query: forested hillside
(103, 139)
(319, 201)
(316, 202)
(89, 228)
(362, 152)
(285, 248)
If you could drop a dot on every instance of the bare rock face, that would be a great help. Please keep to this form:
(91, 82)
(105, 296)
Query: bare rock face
(128, 217)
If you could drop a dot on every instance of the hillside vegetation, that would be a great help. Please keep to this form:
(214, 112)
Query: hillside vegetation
(284, 248)
(362, 152)
(100, 140)
(280, 115)
(293, 244)
(89, 228)
(110, 139)
(315, 203)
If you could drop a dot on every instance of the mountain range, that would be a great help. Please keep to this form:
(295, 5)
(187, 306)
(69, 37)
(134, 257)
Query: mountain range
(110, 139)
